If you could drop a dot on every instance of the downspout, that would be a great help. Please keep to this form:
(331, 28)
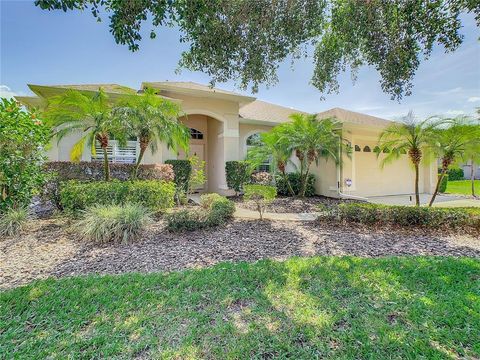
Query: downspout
(339, 182)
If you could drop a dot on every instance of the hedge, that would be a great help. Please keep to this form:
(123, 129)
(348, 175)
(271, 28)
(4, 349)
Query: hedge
(367, 213)
(237, 174)
(456, 174)
(152, 194)
(182, 170)
(294, 179)
(443, 185)
(93, 170)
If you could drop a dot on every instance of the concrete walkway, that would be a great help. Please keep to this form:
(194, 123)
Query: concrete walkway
(242, 213)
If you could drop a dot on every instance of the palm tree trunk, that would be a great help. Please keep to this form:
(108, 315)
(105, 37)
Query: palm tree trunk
(439, 181)
(139, 160)
(472, 177)
(106, 165)
(289, 186)
(417, 191)
(305, 181)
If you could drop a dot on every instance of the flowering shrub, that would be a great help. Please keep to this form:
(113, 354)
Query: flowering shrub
(23, 138)
(262, 178)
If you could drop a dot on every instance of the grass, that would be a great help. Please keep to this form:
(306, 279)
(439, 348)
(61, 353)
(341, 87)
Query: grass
(323, 307)
(463, 187)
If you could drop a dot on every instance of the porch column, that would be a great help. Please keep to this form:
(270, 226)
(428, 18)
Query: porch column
(229, 139)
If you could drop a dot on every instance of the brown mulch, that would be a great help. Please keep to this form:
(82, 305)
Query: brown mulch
(284, 204)
(48, 248)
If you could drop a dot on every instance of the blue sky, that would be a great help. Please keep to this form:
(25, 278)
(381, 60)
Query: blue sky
(41, 47)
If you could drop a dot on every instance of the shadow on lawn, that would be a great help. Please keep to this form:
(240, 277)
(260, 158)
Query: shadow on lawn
(303, 308)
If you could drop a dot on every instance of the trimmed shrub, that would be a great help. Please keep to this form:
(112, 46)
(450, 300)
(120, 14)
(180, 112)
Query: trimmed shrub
(294, 178)
(237, 174)
(455, 174)
(12, 221)
(367, 213)
(87, 171)
(182, 170)
(443, 185)
(152, 194)
(206, 200)
(113, 223)
(262, 195)
(215, 211)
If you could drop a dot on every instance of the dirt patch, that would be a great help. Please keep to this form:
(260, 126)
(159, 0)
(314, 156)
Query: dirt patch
(47, 248)
(286, 204)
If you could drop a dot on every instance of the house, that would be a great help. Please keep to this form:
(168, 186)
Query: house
(223, 124)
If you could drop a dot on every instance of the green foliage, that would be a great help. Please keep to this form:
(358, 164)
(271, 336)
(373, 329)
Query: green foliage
(12, 221)
(23, 138)
(237, 173)
(197, 176)
(408, 216)
(215, 211)
(261, 195)
(113, 223)
(392, 37)
(455, 174)
(294, 179)
(443, 184)
(152, 119)
(152, 194)
(182, 170)
(60, 171)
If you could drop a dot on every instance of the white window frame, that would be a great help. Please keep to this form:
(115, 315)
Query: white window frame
(118, 154)
(266, 166)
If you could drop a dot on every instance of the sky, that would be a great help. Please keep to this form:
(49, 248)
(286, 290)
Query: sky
(46, 48)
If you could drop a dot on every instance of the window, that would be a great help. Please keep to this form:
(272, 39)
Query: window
(367, 149)
(254, 140)
(357, 148)
(195, 134)
(117, 154)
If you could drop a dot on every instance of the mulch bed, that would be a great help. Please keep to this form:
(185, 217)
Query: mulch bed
(50, 248)
(284, 204)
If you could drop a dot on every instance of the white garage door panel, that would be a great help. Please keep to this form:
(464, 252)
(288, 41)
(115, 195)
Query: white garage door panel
(371, 180)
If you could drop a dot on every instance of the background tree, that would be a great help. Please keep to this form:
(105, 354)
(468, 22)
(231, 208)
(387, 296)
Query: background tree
(152, 119)
(448, 145)
(406, 137)
(246, 40)
(90, 113)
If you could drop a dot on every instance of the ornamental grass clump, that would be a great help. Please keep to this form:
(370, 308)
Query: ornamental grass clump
(114, 223)
(12, 221)
(261, 195)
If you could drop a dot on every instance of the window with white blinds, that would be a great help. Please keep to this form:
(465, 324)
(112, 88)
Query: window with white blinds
(116, 153)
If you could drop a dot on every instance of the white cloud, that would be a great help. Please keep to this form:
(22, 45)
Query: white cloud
(455, 112)
(445, 92)
(474, 99)
(8, 93)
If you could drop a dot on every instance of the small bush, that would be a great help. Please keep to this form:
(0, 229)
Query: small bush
(215, 210)
(113, 223)
(237, 174)
(152, 194)
(443, 185)
(12, 221)
(262, 178)
(367, 213)
(182, 170)
(294, 178)
(455, 174)
(262, 195)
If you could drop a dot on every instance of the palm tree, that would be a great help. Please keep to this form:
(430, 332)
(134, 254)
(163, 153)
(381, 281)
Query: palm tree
(449, 145)
(91, 113)
(272, 146)
(311, 139)
(152, 119)
(408, 137)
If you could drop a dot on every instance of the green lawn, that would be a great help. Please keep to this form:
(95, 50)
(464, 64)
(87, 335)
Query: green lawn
(462, 187)
(323, 307)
